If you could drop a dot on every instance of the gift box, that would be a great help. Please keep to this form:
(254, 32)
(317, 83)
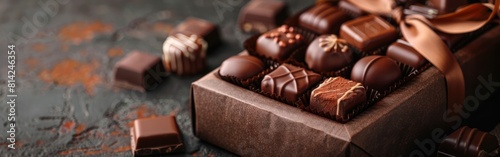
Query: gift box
(408, 121)
(249, 124)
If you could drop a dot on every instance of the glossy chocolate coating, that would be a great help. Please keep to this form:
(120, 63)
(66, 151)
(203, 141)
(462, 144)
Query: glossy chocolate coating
(261, 16)
(138, 71)
(468, 142)
(451, 40)
(279, 43)
(323, 19)
(241, 67)
(289, 81)
(337, 96)
(351, 9)
(155, 136)
(377, 72)
(368, 33)
(403, 52)
(184, 55)
(446, 6)
(202, 28)
(328, 53)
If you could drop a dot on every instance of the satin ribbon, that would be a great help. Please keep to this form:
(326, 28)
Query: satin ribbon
(419, 32)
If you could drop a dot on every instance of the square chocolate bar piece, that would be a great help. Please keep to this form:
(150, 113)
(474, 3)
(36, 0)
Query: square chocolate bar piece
(368, 33)
(203, 28)
(155, 136)
(289, 81)
(323, 19)
(337, 96)
(139, 71)
(262, 15)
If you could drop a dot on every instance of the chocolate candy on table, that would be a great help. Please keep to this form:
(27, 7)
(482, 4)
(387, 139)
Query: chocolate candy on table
(241, 67)
(469, 142)
(279, 43)
(184, 55)
(377, 72)
(351, 9)
(156, 136)
(262, 15)
(289, 81)
(328, 53)
(368, 33)
(323, 19)
(337, 96)
(446, 6)
(202, 28)
(403, 52)
(138, 71)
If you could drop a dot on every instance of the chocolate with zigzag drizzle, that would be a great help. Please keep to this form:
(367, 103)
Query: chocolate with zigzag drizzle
(289, 81)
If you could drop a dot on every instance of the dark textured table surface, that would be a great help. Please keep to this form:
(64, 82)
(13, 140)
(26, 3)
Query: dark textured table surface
(66, 104)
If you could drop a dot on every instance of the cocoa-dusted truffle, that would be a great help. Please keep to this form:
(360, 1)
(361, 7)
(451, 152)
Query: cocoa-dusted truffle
(241, 67)
(289, 81)
(337, 96)
(328, 53)
(377, 72)
(184, 55)
(279, 43)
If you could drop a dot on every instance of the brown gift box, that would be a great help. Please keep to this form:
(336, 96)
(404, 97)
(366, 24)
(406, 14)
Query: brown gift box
(403, 123)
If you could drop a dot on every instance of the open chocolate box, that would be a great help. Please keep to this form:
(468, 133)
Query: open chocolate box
(238, 116)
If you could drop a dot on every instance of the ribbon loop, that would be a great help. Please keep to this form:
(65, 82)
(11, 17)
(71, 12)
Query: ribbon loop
(419, 31)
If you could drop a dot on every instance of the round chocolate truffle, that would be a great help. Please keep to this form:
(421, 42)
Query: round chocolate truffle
(377, 72)
(241, 67)
(328, 53)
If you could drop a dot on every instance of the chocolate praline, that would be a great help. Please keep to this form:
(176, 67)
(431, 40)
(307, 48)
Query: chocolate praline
(323, 19)
(377, 72)
(337, 96)
(469, 142)
(289, 81)
(403, 52)
(328, 53)
(184, 55)
(279, 43)
(261, 16)
(368, 33)
(241, 67)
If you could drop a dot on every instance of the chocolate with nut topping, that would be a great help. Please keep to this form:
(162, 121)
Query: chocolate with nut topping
(279, 43)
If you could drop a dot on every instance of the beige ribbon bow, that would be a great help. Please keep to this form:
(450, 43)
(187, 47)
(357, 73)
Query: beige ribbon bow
(418, 31)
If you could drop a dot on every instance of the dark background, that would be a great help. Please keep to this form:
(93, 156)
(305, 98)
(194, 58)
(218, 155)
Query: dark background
(66, 104)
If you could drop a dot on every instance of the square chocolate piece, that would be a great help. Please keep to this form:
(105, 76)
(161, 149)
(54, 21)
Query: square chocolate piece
(323, 19)
(278, 44)
(262, 15)
(139, 71)
(155, 136)
(337, 96)
(289, 81)
(368, 33)
(403, 52)
(203, 28)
